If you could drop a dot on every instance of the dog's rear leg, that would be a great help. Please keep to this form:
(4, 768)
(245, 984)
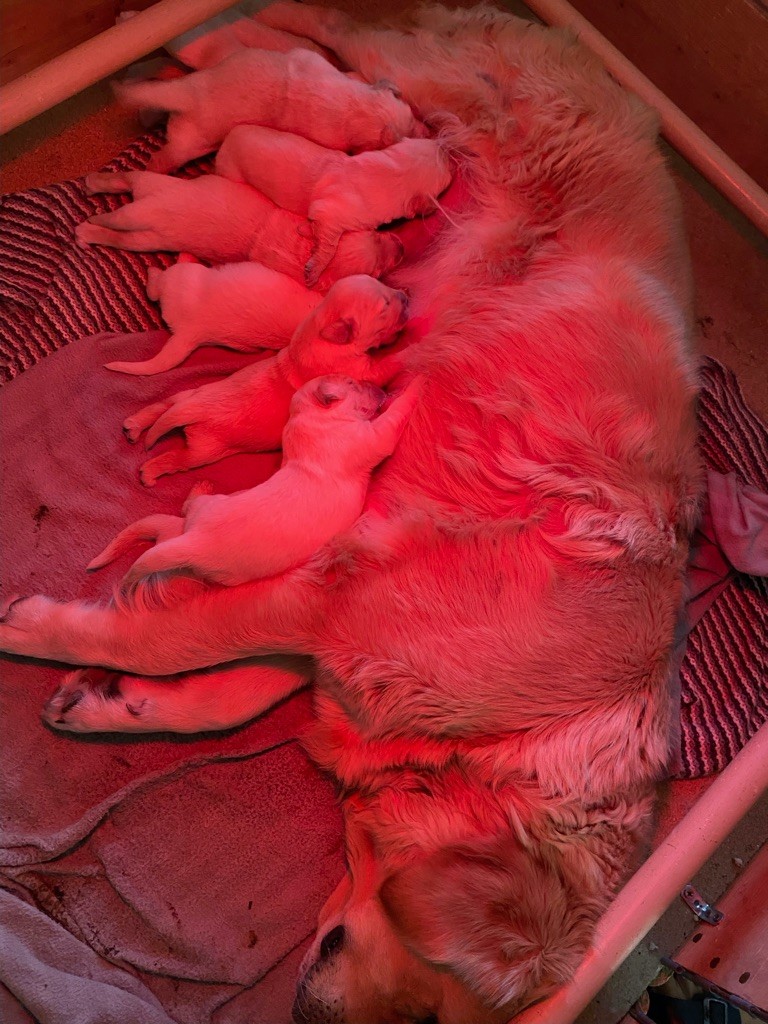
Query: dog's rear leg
(197, 453)
(109, 181)
(184, 143)
(282, 615)
(98, 700)
(133, 241)
(156, 528)
(134, 426)
(326, 243)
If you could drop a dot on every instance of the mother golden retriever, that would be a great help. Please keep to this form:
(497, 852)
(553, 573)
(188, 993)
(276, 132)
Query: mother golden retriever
(492, 642)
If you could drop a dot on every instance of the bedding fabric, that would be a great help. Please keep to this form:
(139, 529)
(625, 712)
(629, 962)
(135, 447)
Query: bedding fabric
(170, 878)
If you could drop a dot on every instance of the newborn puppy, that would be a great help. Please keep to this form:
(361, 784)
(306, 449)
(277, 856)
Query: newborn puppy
(295, 92)
(337, 192)
(224, 222)
(331, 444)
(247, 411)
(227, 33)
(243, 306)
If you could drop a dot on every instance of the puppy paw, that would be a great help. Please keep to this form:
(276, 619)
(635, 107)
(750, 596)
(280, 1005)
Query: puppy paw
(133, 428)
(98, 700)
(148, 474)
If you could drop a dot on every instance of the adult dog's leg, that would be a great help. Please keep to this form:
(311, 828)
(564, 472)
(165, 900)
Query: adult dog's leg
(98, 700)
(212, 626)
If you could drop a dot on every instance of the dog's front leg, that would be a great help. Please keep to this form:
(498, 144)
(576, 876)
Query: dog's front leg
(212, 626)
(98, 700)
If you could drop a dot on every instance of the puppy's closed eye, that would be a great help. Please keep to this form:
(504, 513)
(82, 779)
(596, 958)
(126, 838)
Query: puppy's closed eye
(340, 332)
(326, 396)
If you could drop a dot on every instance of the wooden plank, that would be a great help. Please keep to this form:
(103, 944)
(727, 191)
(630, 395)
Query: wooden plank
(734, 953)
(709, 56)
(35, 32)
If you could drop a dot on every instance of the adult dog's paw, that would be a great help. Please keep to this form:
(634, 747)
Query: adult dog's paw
(24, 626)
(97, 700)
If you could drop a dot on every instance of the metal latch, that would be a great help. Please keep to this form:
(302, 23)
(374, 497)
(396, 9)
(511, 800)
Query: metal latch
(703, 910)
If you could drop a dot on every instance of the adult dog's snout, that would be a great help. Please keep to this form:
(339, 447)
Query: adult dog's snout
(309, 1007)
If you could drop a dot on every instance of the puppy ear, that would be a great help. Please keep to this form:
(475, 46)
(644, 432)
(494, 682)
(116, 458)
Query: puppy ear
(384, 85)
(305, 229)
(502, 920)
(340, 332)
(326, 394)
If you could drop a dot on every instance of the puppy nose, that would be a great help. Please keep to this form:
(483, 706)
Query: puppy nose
(332, 942)
(376, 394)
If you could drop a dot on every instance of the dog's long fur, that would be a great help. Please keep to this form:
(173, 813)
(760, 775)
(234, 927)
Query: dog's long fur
(493, 641)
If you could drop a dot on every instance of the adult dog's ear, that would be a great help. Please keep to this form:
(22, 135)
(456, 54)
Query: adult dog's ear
(341, 331)
(502, 920)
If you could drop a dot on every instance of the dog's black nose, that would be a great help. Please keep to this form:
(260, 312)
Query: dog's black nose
(332, 942)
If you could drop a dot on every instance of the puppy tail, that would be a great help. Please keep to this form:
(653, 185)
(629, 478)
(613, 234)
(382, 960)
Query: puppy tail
(152, 528)
(173, 556)
(172, 354)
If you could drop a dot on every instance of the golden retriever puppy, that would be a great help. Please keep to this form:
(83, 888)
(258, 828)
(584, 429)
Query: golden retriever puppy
(229, 32)
(243, 306)
(295, 92)
(331, 445)
(336, 192)
(247, 411)
(224, 222)
(492, 659)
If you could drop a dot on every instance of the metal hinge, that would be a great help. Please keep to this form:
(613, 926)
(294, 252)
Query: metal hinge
(703, 910)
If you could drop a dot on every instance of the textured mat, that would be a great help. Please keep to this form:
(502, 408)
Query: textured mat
(54, 292)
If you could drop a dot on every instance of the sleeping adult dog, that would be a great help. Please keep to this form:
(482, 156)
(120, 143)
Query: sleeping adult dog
(492, 642)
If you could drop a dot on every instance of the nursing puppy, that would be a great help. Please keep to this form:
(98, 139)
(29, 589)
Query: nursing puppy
(336, 192)
(247, 411)
(224, 222)
(331, 445)
(294, 92)
(243, 306)
(230, 32)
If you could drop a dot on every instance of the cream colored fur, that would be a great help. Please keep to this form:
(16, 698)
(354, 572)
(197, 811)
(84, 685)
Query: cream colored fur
(195, 216)
(336, 192)
(332, 442)
(244, 306)
(229, 32)
(247, 411)
(492, 659)
(297, 92)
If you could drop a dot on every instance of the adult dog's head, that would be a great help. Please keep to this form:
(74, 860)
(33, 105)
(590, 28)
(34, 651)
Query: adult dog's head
(467, 934)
